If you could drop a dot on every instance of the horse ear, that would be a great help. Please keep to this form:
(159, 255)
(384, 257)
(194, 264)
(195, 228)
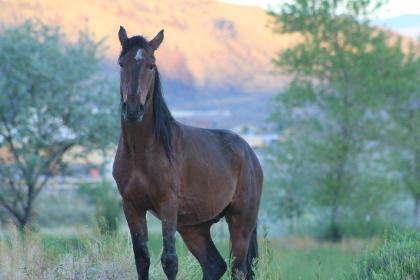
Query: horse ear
(122, 35)
(155, 43)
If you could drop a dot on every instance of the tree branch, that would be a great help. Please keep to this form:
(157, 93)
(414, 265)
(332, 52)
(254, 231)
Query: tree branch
(53, 161)
(10, 209)
(12, 147)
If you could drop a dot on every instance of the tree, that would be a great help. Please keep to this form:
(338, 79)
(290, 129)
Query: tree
(340, 71)
(53, 97)
(287, 174)
(402, 134)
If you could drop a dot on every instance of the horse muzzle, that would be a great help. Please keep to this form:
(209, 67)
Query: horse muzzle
(132, 113)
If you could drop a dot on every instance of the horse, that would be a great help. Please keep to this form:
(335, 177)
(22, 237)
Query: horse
(188, 177)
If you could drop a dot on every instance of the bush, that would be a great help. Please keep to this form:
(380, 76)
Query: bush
(107, 203)
(398, 258)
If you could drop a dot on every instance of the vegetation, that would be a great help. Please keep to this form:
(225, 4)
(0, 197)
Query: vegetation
(349, 79)
(400, 131)
(108, 209)
(398, 258)
(53, 98)
(89, 255)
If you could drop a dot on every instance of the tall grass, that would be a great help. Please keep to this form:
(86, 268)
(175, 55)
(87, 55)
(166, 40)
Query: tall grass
(398, 258)
(29, 256)
(88, 255)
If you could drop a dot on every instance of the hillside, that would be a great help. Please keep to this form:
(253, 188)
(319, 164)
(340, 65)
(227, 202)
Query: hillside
(207, 43)
(215, 55)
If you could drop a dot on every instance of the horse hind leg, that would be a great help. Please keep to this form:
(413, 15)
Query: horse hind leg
(244, 249)
(241, 217)
(199, 242)
(242, 220)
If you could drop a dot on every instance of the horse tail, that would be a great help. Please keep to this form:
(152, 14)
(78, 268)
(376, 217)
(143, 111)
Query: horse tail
(252, 256)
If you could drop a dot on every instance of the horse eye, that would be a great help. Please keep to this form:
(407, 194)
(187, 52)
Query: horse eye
(121, 65)
(151, 67)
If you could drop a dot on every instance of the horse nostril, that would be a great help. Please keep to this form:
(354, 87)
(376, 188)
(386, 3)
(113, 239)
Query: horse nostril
(141, 108)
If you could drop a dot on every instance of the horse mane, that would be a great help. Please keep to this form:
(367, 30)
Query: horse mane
(162, 117)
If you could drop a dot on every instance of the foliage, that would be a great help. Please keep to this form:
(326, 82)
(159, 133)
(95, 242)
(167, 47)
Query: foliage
(53, 97)
(285, 184)
(342, 68)
(398, 258)
(401, 129)
(87, 256)
(107, 202)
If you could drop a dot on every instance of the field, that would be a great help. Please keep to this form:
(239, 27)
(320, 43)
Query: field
(88, 255)
(328, 100)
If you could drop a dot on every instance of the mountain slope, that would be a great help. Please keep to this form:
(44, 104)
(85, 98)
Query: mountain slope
(207, 44)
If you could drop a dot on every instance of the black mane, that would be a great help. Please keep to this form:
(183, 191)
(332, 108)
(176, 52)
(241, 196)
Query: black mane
(162, 117)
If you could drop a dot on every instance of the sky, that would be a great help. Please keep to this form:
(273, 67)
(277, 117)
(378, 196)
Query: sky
(392, 9)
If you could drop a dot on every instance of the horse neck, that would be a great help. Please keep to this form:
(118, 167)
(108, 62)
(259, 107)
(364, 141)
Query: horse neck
(137, 137)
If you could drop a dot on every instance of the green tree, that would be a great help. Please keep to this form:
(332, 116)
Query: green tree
(401, 135)
(53, 97)
(287, 173)
(341, 67)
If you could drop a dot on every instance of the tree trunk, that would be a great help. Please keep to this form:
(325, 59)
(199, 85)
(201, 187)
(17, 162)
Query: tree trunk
(334, 232)
(22, 223)
(417, 213)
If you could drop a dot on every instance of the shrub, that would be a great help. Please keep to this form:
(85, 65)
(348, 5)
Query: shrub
(107, 203)
(398, 258)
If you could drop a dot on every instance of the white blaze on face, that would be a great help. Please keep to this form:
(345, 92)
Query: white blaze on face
(138, 58)
(139, 55)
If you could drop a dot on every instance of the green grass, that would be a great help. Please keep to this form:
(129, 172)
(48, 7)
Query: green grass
(86, 255)
(398, 258)
(306, 258)
(317, 263)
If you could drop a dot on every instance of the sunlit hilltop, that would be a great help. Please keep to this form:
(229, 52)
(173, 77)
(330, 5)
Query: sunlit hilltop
(238, 44)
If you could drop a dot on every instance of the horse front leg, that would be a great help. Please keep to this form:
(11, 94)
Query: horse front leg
(169, 259)
(137, 224)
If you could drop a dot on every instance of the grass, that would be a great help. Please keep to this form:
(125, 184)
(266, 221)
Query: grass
(306, 258)
(398, 258)
(35, 256)
(87, 255)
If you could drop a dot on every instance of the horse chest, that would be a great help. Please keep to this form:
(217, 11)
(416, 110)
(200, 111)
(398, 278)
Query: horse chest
(139, 183)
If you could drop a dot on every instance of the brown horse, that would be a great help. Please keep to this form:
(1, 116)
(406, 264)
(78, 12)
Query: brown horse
(188, 177)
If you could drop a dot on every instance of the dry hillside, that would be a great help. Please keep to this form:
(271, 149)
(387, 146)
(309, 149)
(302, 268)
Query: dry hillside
(207, 43)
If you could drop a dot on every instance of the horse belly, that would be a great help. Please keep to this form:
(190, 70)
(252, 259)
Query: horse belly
(198, 204)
